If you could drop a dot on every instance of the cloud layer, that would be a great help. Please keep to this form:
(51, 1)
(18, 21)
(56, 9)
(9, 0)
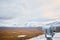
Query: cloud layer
(21, 11)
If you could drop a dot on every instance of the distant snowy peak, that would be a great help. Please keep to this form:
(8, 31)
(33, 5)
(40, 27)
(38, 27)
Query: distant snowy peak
(56, 23)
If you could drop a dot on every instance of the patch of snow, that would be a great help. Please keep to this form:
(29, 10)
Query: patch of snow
(21, 35)
(42, 37)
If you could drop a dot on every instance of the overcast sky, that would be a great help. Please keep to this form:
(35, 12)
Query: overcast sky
(22, 11)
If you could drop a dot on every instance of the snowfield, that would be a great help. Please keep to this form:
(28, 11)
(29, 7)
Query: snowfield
(41, 37)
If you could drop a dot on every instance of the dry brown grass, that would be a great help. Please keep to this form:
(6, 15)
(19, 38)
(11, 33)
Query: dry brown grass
(13, 33)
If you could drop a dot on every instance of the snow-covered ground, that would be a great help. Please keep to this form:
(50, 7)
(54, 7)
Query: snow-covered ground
(41, 37)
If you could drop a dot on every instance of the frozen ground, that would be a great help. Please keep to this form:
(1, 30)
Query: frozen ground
(41, 37)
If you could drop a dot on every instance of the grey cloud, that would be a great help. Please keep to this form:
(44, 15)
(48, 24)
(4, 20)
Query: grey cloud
(9, 9)
(5, 18)
(41, 19)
